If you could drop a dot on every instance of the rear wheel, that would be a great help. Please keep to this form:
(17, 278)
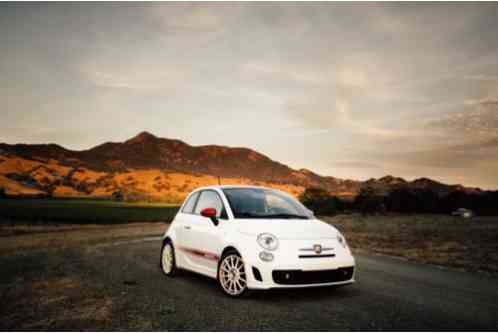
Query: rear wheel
(168, 264)
(231, 274)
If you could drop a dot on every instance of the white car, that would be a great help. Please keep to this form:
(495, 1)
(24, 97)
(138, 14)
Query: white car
(251, 237)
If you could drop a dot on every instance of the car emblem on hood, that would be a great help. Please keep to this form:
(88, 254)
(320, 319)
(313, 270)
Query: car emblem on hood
(317, 248)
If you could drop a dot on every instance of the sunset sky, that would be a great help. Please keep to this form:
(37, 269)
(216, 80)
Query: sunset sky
(346, 90)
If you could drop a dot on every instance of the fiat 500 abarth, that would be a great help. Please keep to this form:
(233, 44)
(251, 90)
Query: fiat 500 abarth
(254, 238)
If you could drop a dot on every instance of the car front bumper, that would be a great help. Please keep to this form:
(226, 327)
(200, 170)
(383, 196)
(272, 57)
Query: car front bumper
(290, 271)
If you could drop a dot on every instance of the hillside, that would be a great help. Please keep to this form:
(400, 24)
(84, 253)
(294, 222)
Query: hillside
(153, 168)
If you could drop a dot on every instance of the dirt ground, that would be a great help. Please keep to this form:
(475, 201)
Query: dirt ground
(106, 277)
(464, 244)
(19, 238)
(118, 286)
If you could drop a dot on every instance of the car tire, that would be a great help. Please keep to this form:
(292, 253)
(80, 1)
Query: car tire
(168, 262)
(231, 276)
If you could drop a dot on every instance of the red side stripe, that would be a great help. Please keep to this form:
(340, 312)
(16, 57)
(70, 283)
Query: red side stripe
(199, 253)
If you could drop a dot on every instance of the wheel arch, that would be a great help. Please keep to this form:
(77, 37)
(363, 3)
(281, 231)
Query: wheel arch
(229, 248)
(225, 250)
(170, 234)
(165, 239)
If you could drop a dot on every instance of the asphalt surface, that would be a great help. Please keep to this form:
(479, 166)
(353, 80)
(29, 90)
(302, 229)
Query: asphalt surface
(390, 294)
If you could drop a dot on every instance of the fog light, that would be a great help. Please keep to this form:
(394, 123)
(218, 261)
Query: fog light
(265, 256)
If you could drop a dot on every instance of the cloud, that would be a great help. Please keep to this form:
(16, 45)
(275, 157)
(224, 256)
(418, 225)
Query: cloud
(191, 18)
(138, 80)
(286, 71)
(460, 156)
(355, 165)
(410, 83)
(479, 121)
(481, 77)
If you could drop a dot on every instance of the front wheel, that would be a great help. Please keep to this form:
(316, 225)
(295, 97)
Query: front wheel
(168, 264)
(231, 274)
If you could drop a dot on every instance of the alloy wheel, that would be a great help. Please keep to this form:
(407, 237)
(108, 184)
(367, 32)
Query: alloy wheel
(232, 276)
(167, 259)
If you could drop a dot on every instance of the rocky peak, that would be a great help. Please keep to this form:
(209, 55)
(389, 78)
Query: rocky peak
(142, 137)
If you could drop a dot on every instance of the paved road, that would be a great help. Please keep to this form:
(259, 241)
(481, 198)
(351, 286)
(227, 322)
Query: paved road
(389, 295)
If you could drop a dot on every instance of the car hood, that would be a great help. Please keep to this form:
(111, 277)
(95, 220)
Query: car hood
(288, 229)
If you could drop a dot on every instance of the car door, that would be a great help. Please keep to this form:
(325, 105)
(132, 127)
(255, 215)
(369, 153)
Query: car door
(203, 239)
(183, 223)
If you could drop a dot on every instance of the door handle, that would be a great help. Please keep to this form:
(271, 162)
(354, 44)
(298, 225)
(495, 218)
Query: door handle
(187, 227)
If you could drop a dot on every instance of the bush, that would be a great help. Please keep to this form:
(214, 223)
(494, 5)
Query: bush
(368, 202)
(481, 203)
(402, 200)
(320, 201)
(117, 196)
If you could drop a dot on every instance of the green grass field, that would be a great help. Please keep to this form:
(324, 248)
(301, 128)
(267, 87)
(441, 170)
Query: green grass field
(82, 211)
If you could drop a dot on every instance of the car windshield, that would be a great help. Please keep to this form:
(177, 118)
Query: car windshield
(259, 203)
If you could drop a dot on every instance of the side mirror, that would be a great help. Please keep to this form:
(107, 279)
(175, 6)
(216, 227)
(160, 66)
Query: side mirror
(210, 213)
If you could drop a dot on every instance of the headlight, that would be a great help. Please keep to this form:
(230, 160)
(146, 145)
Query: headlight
(342, 240)
(268, 242)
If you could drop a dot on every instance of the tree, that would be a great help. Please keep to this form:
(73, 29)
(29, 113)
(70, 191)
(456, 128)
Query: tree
(3, 193)
(427, 201)
(117, 195)
(401, 200)
(320, 201)
(368, 202)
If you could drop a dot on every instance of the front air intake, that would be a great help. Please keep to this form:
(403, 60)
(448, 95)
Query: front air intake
(290, 277)
(257, 274)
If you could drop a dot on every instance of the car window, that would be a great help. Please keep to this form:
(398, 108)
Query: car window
(278, 204)
(210, 199)
(261, 203)
(189, 206)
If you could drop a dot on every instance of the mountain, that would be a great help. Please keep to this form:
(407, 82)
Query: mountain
(147, 166)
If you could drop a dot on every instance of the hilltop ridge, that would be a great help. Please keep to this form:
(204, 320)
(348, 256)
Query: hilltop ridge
(160, 168)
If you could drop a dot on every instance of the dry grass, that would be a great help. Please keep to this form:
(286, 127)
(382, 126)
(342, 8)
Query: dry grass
(466, 244)
(19, 238)
(17, 165)
(154, 184)
(88, 176)
(174, 187)
(15, 188)
(65, 191)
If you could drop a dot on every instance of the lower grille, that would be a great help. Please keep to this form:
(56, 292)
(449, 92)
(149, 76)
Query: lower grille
(289, 277)
(257, 274)
(316, 255)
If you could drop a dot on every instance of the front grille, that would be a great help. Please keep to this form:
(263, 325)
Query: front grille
(290, 277)
(316, 255)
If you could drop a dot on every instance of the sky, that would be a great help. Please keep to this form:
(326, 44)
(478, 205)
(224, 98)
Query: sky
(350, 90)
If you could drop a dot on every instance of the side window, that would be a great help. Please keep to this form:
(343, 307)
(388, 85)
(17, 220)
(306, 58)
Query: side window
(211, 199)
(189, 206)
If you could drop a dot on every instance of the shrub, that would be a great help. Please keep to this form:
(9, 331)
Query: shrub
(320, 201)
(117, 195)
(368, 202)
